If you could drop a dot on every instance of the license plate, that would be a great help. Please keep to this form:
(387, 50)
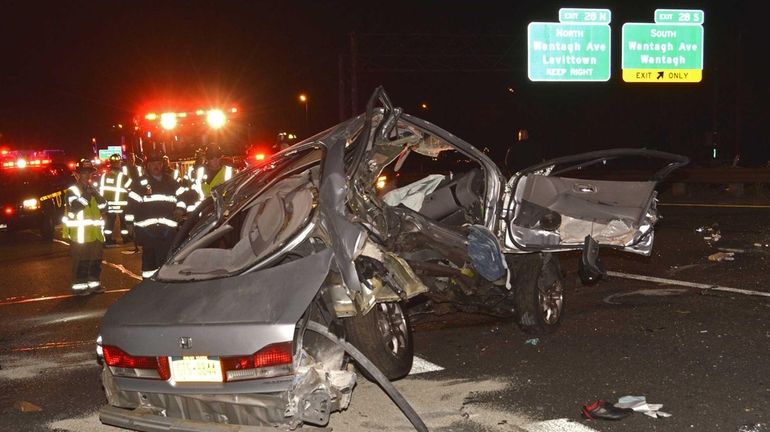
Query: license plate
(196, 369)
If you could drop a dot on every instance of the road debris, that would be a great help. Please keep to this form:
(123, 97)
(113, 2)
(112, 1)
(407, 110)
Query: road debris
(533, 341)
(754, 427)
(710, 233)
(639, 404)
(25, 406)
(604, 410)
(722, 256)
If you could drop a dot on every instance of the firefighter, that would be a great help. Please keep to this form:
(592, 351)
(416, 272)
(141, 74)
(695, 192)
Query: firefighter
(156, 207)
(133, 169)
(83, 225)
(196, 175)
(217, 172)
(113, 186)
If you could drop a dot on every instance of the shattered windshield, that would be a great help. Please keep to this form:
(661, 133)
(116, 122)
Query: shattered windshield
(248, 217)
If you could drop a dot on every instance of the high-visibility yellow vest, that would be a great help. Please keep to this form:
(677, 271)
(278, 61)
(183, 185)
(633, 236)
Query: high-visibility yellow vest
(84, 226)
(225, 173)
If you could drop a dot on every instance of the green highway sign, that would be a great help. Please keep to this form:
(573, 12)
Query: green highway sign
(570, 51)
(596, 16)
(669, 50)
(679, 16)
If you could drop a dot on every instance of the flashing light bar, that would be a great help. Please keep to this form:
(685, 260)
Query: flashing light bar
(23, 163)
(216, 118)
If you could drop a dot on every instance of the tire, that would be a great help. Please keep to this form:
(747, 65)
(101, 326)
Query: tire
(539, 296)
(384, 336)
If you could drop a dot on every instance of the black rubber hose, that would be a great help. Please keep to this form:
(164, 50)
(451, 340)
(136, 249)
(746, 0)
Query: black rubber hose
(386, 385)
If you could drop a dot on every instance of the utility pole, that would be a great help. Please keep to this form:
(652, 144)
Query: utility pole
(353, 74)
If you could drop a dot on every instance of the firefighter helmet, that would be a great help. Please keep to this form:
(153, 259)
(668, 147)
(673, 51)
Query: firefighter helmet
(85, 166)
(115, 160)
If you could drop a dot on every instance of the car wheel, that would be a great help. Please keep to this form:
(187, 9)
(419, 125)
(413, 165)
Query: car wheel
(384, 336)
(539, 295)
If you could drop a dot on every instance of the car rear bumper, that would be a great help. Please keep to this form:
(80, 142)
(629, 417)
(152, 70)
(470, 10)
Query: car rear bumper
(143, 419)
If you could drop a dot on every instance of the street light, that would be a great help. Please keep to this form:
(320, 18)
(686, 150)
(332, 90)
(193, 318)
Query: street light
(303, 99)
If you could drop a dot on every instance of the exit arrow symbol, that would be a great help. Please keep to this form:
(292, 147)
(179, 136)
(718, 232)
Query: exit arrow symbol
(660, 75)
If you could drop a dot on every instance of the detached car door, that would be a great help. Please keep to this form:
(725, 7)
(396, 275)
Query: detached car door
(576, 201)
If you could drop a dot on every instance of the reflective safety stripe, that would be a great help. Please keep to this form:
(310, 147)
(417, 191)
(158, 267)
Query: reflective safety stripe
(124, 232)
(93, 284)
(159, 197)
(134, 196)
(83, 201)
(143, 182)
(181, 190)
(114, 211)
(76, 190)
(79, 286)
(129, 218)
(152, 221)
(181, 205)
(148, 273)
(101, 206)
(190, 208)
(108, 231)
(228, 172)
(70, 223)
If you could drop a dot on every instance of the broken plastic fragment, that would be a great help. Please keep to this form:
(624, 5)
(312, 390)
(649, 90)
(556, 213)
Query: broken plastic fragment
(25, 406)
(722, 256)
(639, 404)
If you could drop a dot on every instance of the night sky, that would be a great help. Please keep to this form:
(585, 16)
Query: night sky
(72, 69)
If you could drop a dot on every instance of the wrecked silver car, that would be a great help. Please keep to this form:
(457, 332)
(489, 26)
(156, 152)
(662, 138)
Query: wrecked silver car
(227, 332)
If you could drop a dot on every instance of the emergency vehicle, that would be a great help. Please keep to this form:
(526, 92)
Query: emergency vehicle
(32, 185)
(181, 133)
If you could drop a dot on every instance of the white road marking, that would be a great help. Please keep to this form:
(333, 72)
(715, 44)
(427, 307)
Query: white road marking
(60, 318)
(420, 365)
(713, 205)
(17, 367)
(557, 425)
(687, 284)
(89, 423)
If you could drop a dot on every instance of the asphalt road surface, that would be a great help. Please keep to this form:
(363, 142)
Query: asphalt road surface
(696, 340)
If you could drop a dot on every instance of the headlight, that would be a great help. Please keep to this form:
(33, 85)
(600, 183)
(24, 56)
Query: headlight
(31, 204)
(382, 181)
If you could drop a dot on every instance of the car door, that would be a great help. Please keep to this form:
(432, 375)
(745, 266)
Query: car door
(558, 205)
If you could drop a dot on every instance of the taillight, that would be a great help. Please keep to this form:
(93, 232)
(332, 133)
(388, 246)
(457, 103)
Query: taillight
(8, 210)
(271, 361)
(124, 364)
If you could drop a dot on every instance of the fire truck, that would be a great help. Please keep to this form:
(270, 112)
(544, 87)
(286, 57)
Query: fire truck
(181, 133)
(32, 185)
